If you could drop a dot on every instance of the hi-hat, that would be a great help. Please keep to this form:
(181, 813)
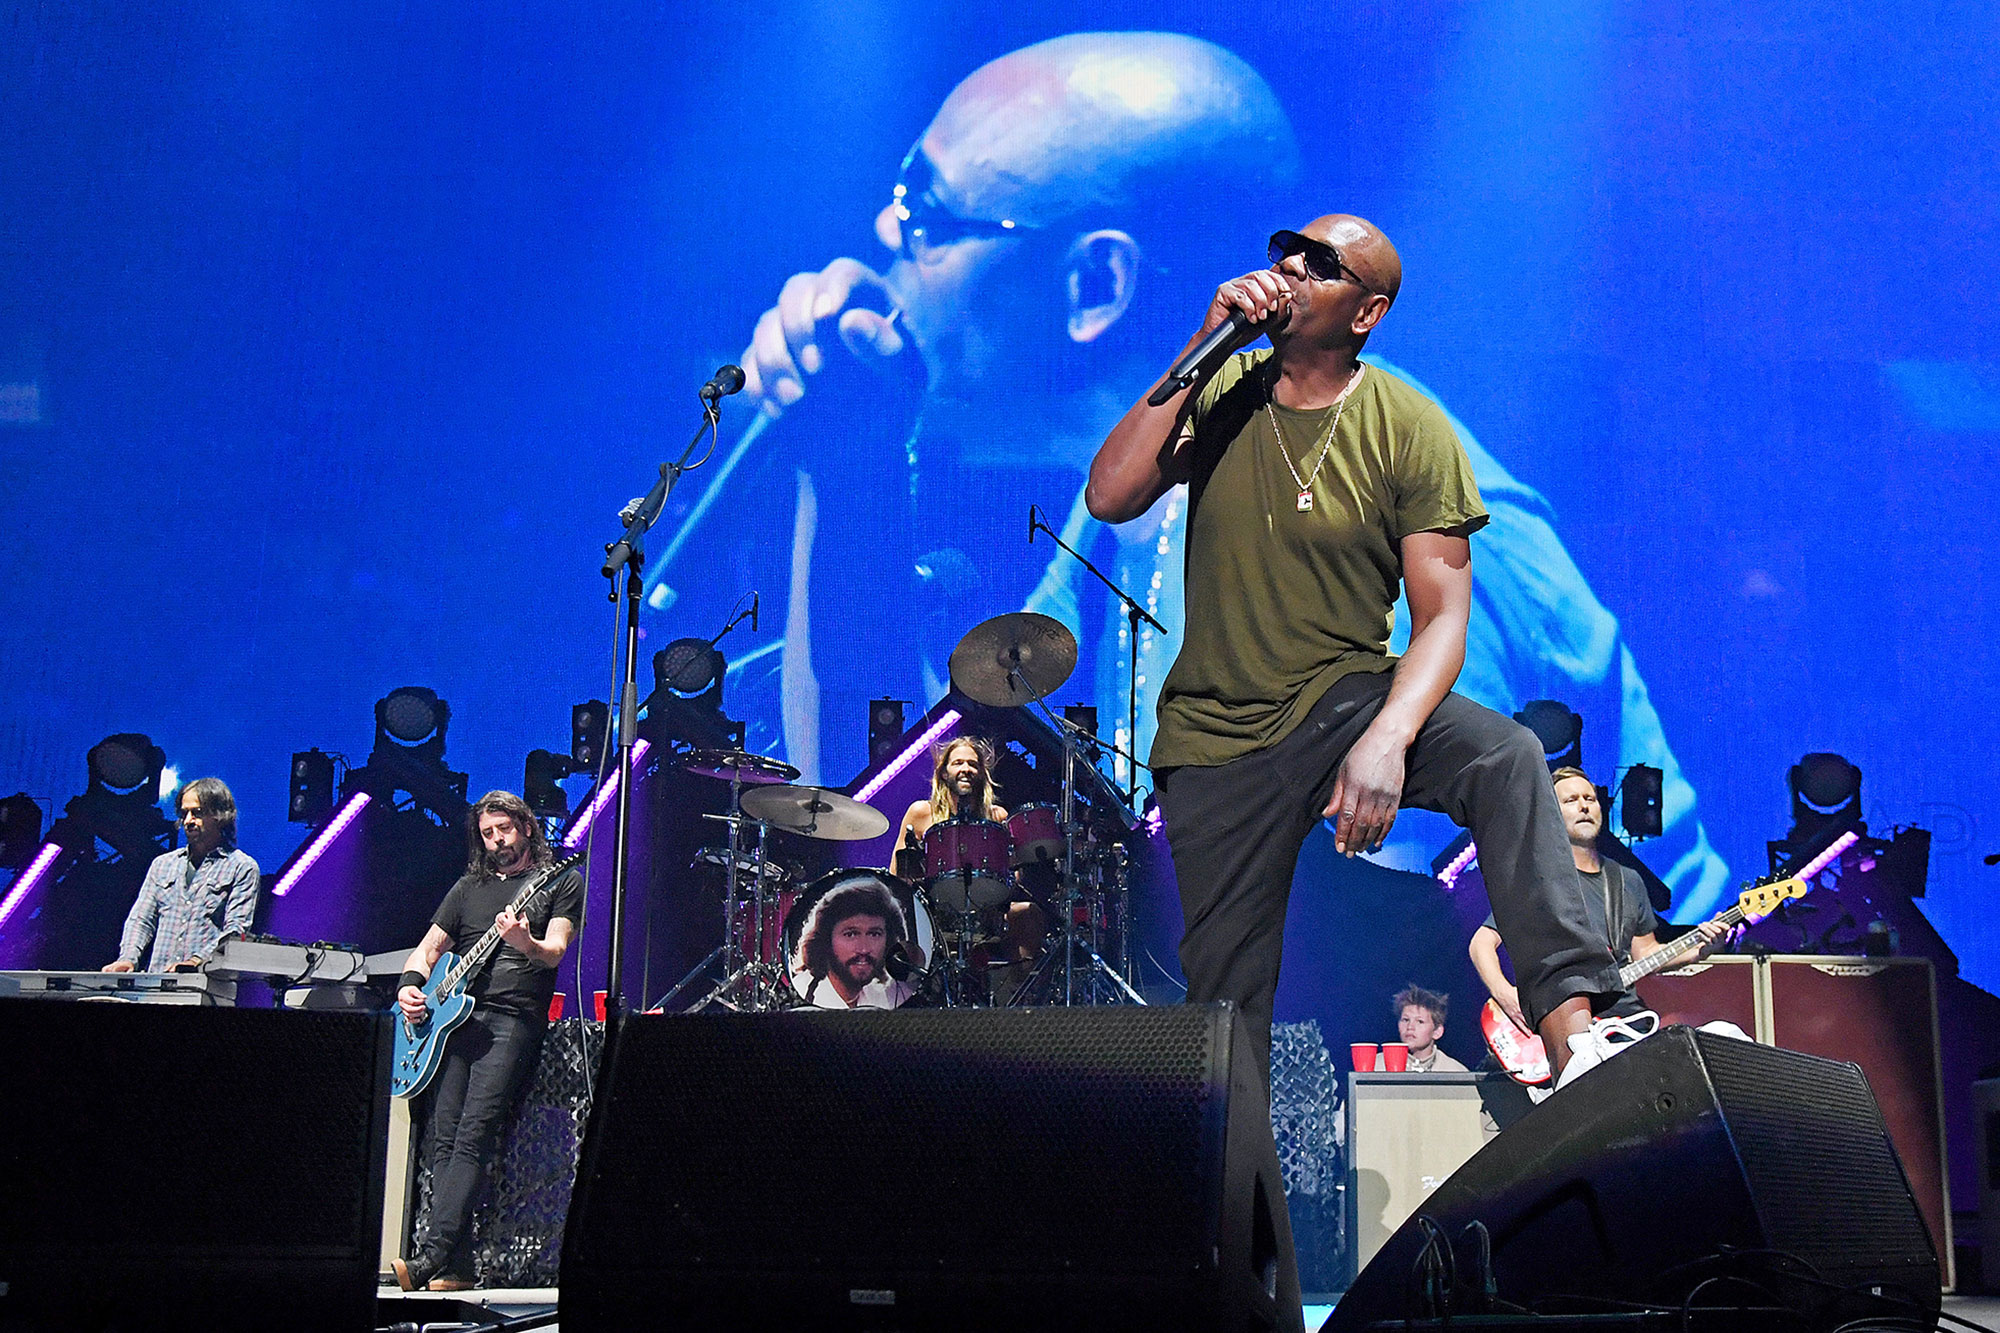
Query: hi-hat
(739, 766)
(816, 813)
(1010, 660)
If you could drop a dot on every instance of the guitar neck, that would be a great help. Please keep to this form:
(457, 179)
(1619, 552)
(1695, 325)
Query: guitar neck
(476, 956)
(1666, 954)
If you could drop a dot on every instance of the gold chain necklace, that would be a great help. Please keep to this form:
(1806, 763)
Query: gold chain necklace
(1305, 483)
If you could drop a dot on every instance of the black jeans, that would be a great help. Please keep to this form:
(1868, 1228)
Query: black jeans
(1235, 830)
(486, 1064)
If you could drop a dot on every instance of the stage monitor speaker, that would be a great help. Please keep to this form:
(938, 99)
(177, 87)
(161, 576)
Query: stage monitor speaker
(1102, 1168)
(1688, 1157)
(170, 1166)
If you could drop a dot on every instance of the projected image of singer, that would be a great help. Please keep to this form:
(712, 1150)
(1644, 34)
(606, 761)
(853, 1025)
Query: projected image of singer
(1320, 489)
(1044, 238)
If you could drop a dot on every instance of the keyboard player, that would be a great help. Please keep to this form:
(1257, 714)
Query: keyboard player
(195, 894)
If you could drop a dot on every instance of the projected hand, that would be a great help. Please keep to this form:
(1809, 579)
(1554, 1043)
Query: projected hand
(817, 313)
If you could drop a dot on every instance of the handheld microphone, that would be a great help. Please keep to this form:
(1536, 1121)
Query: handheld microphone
(754, 599)
(1233, 335)
(1033, 523)
(727, 380)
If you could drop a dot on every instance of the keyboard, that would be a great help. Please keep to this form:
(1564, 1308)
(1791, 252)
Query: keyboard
(240, 956)
(140, 987)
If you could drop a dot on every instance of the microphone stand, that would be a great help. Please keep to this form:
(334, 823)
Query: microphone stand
(626, 553)
(1134, 613)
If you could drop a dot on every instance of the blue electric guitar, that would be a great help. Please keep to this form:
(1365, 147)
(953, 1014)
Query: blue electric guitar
(420, 1045)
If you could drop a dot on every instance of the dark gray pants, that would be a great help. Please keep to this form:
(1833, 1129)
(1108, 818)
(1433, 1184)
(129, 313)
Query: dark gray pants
(1236, 828)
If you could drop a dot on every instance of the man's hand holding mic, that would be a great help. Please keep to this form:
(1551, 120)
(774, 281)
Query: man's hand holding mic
(845, 309)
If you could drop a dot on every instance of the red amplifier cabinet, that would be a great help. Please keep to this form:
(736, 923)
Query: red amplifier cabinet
(1881, 1014)
(1720, 989)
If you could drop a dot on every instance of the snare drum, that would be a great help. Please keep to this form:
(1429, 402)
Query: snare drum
(1036, 832)
(969, 863)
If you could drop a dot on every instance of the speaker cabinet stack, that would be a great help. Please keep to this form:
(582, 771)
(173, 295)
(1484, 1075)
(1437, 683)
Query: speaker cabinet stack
(169, 1166)
(945, 1169)
(1686, 1158)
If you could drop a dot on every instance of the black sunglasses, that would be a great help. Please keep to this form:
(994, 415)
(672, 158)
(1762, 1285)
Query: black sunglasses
(1323, 262)
(927, 226)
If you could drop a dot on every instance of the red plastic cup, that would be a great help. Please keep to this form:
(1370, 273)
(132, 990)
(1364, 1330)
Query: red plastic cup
(1364, 1056)
(556, 1005)
(1395, 1057)
(600, 1004)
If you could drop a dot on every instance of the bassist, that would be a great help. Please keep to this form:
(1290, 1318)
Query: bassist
(490, 1057)
(1617, 910)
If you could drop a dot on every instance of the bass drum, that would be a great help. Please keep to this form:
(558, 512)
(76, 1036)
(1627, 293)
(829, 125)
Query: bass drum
(901, 963)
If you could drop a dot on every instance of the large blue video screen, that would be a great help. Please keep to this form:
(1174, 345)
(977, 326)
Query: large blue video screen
(333, 337)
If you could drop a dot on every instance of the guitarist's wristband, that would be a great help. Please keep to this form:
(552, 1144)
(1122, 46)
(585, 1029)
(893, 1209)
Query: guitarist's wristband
(412, 977)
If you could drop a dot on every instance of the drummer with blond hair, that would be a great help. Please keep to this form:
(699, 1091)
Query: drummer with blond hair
(963, 787)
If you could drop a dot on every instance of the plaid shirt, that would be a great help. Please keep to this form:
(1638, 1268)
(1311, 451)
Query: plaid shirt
(184, 910)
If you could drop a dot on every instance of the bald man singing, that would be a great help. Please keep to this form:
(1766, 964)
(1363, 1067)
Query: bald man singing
(1048, 233)
(1321, 488)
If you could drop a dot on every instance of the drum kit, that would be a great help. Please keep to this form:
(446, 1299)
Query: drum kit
(972, 870)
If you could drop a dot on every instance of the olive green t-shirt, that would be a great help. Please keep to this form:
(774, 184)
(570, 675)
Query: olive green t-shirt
(1281, 603)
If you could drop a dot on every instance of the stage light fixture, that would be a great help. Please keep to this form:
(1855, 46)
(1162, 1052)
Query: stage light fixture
(688, 667)
(1824, 787)
(1558, 728)
(885, 727)
(589, 733)
(541, 782)
(127, 766)
(412, 720)
(20, 830)
(1640, 801)
(312, 787)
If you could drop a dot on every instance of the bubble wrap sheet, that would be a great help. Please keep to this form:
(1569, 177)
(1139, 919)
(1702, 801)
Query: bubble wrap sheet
(1306, 1120)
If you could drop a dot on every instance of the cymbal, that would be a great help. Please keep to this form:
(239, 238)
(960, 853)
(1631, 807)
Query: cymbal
(816, 813)
(1009, 660)
(739, 766)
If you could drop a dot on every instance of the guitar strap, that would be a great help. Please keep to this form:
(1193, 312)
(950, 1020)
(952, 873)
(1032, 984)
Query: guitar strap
(1614, 911)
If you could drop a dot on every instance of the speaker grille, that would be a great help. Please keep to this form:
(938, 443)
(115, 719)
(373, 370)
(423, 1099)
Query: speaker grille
(910, 1142)
(1820, 1165)
(139, 1128)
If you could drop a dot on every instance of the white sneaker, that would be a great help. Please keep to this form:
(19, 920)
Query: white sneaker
(1604, 1038)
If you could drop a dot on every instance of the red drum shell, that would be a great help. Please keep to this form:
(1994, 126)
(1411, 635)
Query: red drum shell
(969, 861)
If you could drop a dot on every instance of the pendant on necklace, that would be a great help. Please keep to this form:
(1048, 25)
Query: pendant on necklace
(1306, 500)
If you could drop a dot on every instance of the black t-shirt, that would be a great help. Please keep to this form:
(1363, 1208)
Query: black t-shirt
(1635, 918)
(510, 980)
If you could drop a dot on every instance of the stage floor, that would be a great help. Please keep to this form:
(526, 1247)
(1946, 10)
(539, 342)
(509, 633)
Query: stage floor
(1982, 1310)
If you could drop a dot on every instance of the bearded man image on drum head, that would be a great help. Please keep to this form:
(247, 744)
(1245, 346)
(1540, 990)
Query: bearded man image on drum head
(844, 947)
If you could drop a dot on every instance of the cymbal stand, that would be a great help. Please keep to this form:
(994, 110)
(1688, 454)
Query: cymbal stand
(1096, 968)
(758, 979)
(1134, 613)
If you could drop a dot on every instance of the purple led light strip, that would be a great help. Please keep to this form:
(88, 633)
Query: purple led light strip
(1829, 856)
(347, 815)
(916, 747)
(581, 829)
(1459, 865)
(29, 878)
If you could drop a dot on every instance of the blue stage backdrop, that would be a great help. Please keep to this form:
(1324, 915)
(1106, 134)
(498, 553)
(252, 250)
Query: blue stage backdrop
(333, 337)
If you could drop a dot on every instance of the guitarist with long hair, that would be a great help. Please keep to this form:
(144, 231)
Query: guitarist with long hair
(489, 1057)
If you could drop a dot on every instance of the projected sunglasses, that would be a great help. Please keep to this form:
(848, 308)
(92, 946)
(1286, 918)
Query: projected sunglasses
(1323, 262)
(927, 225)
